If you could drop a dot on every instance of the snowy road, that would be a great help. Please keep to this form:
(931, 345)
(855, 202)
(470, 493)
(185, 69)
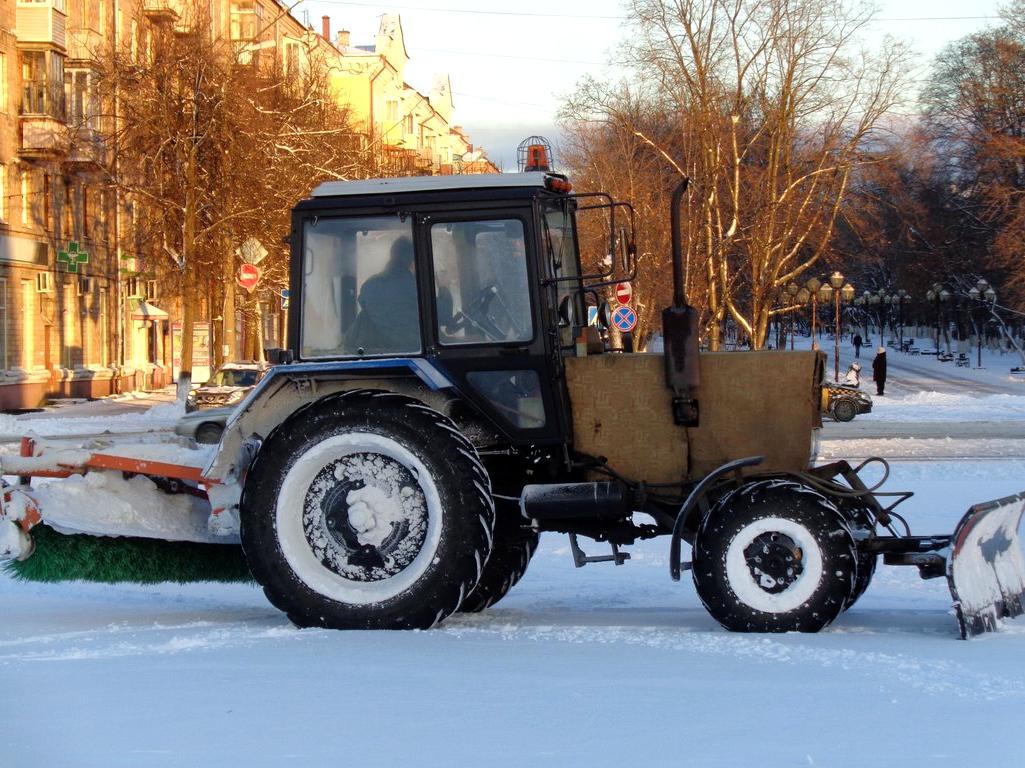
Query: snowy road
(597, 666)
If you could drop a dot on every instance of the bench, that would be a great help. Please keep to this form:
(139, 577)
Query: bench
(962, 360)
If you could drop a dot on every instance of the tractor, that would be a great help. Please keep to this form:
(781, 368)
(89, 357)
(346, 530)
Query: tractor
(443, 400)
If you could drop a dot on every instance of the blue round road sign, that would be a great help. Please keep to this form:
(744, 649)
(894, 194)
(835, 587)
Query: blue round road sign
(624, 318)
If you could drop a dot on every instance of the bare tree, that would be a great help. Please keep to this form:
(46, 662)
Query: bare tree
(768, 105)
(213, 144)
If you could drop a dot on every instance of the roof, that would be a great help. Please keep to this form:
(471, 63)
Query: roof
(429, 184)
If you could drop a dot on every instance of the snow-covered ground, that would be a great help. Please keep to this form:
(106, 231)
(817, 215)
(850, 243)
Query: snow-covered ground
(602, 665)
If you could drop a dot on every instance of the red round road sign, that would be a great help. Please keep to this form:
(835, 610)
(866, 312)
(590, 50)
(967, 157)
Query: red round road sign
(248, 276)
(624, 292)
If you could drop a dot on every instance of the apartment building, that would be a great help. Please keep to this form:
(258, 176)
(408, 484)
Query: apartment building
(79, 314)
(414, 130)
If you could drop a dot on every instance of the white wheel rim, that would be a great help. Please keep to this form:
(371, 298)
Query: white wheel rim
(747, 588)
(292, 538)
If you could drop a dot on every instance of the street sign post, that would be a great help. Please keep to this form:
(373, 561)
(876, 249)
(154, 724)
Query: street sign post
(248, 276)
(624, 318)
(624, 292)
(252, 251)
(285, 294)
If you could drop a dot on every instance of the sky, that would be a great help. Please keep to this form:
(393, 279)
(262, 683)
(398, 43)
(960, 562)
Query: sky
(512, 65)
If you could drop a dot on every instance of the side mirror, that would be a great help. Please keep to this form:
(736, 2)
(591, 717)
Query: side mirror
(278, 356)
(628, 251)
(566, 312)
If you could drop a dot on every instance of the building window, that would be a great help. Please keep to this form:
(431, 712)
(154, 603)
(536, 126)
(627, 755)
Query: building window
(25, 210)
(245, 15)
(28, 326)
(76, 95)
(42, 77)
(3, 192)
(3, 323)
(408, 129)
(391, 111)
(3, 83)
(86, 228)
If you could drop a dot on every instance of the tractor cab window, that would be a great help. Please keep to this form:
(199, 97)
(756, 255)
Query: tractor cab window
(359, 293)
(480, 282)
(559, 241)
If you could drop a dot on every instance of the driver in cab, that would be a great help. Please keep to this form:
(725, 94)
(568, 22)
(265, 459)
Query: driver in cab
(389, 317)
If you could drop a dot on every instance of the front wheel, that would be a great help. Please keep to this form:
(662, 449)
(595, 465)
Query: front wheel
(774, 556)
(367, 511)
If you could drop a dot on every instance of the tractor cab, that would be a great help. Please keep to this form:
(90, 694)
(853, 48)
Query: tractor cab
(479, 276)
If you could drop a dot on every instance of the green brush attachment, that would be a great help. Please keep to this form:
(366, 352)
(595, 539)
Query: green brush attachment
(61, 557)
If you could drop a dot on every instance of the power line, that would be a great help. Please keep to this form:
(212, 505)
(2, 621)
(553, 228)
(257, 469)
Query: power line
(602, 17)
(475, 12)
(511, 56)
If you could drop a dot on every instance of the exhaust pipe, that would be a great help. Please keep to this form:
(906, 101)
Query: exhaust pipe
(680, 331)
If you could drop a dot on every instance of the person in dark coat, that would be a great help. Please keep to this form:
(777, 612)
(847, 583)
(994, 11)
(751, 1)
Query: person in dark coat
(857, 344)
(879, 370)
(389, 319)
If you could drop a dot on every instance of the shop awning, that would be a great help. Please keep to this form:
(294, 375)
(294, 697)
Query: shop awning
(146, 311)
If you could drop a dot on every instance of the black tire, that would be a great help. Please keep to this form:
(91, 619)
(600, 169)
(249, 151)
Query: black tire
(329, 561)
(510, 556)
(861, 521)
(810, 559)
(844, 409)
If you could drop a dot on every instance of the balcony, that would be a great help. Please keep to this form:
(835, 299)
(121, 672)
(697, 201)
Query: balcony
(86, 148)
(84, 45)
(42, 22)
(161, 10)
(43, 136)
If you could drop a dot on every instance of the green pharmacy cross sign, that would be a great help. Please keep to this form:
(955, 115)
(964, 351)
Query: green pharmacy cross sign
(73, 256)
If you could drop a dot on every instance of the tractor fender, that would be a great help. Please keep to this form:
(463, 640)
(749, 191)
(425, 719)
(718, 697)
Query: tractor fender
(288, 389)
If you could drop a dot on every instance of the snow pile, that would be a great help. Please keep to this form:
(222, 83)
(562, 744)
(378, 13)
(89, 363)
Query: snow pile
(106, 504)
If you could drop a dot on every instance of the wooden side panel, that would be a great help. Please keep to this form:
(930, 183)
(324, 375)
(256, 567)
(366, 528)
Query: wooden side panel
(622, 410)
(752, 403)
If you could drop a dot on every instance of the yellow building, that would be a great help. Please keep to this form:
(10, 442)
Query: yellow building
(413, 129)
(77, 314)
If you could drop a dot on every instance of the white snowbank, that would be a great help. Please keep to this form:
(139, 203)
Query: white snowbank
(106, 504)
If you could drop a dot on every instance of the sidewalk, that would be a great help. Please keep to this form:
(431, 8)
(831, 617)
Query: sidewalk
(115, 405)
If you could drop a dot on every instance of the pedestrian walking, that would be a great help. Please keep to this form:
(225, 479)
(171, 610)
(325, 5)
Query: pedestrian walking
(879, 370)
(857, 344)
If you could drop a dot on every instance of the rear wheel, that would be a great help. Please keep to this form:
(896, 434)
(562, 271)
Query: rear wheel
(367, 511)
(774, 556)
(845, 409)
(510, 556)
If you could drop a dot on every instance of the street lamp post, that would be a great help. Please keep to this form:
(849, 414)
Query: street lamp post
(940, 295)
(981, 293)
(813, 286)
(792, 290)
(837, 291)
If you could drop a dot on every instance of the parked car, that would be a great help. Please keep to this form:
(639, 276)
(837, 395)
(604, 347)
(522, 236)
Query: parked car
(227, 386)
(204, 426)
(844, 403)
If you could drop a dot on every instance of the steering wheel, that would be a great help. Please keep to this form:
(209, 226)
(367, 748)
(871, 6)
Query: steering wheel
(478, 315)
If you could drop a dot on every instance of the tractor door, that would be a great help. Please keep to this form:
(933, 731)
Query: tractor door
(485, 327)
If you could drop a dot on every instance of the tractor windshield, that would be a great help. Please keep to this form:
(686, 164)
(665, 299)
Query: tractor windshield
(359, 293)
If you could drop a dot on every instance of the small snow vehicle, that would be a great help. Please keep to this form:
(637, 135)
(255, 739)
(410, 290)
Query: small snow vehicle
(843, 403)
(442, 401)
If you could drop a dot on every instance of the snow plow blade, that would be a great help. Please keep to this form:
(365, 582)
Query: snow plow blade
(986, 568)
